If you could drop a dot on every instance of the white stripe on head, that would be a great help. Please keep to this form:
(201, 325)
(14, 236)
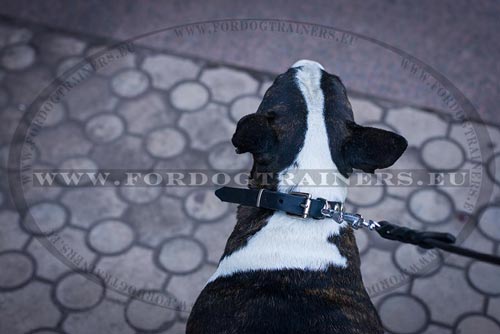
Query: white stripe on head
(315, 153)
(306, 62)
(287, 242)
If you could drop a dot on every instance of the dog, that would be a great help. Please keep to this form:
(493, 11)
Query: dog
(281, 273)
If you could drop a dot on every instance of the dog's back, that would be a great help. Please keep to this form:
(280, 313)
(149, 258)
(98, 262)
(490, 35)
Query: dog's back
(288, 300)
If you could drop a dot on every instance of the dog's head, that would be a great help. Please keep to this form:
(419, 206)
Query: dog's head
(306, 121)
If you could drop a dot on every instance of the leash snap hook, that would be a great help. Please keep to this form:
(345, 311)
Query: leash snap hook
(336, 212)
(357, 221)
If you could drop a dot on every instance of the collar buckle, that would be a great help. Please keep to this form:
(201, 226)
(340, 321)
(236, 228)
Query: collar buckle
(306, 205)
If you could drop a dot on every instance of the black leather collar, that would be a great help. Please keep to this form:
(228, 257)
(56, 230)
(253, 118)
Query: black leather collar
(297, 204)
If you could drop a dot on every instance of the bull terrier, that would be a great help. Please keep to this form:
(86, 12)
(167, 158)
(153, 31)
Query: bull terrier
(283, 273)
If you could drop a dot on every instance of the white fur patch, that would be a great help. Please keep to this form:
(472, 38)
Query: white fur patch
(315, 153)
(306, 62)
(286, 242)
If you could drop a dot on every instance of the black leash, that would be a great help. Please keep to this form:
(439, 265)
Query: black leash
(431, 240)
(303, 206)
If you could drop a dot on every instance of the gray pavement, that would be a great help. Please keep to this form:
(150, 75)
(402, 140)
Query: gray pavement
(457, 38)
(162, 244)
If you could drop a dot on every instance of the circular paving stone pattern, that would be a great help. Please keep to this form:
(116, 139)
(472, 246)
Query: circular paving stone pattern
(181, 255)
(477, 324)
(12, 35)
(165, 143)
(489, 222)
(104, 128)
(69, 63)
(207, 127)
(403, 314)
(20, 269)
(55, 114)
(223, 157)
(77, 163)
(226, 84)
(413, 261)
(243, 106)
(125, 152)
(151, 317)
(430, 206)
(77, 292)
(442, 154)
(189, 96)
(130, 83)
(48, 217)
(111, 237)
(204, 205)
(365, 195)
(140, 195)
(485, 277)
(18, 57)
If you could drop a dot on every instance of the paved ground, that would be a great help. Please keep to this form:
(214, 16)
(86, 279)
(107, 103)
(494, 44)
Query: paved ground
(457, 38)
(163, 243)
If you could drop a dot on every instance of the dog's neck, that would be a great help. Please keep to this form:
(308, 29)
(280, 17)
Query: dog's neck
(276, 241)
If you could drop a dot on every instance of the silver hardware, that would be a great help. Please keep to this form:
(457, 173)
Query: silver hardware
(306, 205)
(327, 210)
(259, 196)
(339, 207)
(356, 221)
(336, 212)
(372, 225)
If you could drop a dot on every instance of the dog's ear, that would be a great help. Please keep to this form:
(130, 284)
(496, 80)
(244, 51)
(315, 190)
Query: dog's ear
(369, 148)
(254, 134)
